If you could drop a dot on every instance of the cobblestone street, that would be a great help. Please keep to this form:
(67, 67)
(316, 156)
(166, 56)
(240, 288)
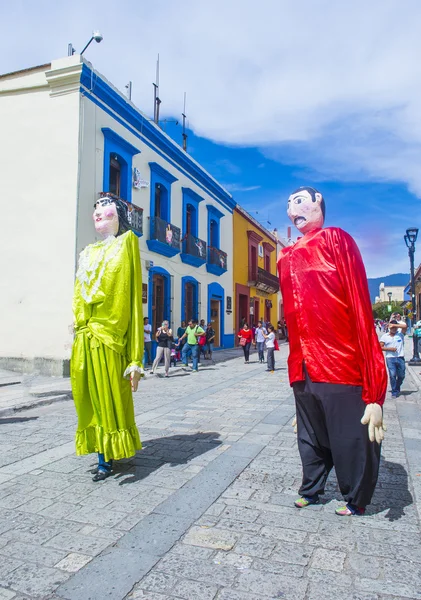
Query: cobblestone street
(205, 511)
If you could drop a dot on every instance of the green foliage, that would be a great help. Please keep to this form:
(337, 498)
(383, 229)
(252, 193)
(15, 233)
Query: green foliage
(380, 310)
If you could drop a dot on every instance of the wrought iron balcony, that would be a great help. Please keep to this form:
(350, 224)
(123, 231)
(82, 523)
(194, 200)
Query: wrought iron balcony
(164, 237)
(217, 261)
(263, 280)
(194, 251)
(134, 213)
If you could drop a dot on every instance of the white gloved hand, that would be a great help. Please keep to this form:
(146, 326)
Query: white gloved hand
(373, 416)
(294, 424)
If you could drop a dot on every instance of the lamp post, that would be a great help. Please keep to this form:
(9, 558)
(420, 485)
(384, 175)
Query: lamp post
(390, 300)
(410, 238)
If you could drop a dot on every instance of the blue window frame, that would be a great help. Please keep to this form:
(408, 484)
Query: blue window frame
(189, 281)
(190, 224)
(161, 181)
(191, 204)
(122, 151)
(214, 230)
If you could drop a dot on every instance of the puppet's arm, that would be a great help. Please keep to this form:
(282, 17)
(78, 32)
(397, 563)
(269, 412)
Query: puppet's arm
(135, 339)
(354, 280)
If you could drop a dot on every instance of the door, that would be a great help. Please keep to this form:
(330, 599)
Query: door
(157, 302)
(256, 311)
(215, 316)
(243, 310)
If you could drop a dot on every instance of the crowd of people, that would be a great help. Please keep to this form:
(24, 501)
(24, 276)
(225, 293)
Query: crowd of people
(195, 340)
(190, 342)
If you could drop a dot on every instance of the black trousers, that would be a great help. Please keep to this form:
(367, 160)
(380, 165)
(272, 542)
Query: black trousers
(330, 434)
(246, 350)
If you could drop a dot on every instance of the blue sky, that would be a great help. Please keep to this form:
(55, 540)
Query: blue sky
(279, 94)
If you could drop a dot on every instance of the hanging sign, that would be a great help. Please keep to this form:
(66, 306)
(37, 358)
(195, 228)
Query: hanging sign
(138, 182)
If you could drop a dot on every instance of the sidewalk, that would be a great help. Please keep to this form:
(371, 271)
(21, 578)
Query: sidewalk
(22, 392)
(205, 510)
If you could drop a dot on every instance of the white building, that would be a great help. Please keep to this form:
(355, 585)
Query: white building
(68, 135)
(391, 293)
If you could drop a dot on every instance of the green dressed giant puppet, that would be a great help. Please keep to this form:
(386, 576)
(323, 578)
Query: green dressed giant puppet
(106, 362)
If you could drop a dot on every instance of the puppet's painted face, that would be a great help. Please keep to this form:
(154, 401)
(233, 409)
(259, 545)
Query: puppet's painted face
(105, 217)
(304, 212)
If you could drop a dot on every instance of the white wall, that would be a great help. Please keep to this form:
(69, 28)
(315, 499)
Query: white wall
(38, 155)
(91, 183)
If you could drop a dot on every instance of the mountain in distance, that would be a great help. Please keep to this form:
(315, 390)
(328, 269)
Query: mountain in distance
(401, 279)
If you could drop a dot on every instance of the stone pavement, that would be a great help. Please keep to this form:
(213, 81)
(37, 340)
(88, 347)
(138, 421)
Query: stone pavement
(204, 511)
(23, 391)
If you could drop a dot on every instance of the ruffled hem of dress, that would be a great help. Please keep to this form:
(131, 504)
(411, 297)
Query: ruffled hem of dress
(122, 443)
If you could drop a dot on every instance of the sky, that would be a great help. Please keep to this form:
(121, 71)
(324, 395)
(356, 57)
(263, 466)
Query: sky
(280, 93)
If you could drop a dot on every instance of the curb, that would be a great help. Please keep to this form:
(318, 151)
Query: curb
(7, 412)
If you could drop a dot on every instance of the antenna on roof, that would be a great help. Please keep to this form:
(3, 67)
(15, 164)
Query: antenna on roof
(128, 87)
(184, 134)
(157, 100)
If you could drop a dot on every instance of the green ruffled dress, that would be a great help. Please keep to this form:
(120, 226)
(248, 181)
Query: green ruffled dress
(108, 346)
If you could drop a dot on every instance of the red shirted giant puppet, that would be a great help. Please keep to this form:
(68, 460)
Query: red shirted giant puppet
(336, 367)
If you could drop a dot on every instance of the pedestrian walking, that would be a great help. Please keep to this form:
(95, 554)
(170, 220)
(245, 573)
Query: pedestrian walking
(180, 333)
(164, 337)
(260, 341)
(192, 333)
(270, 347)
(147, 328)
(210, 337)
(392, 344)
(245, 335)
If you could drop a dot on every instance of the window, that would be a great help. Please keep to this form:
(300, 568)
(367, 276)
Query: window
(214, 233)
(254, 241)
(118, 159)
(161, 181)
(268, 249)
(115, 175)
(191, 202)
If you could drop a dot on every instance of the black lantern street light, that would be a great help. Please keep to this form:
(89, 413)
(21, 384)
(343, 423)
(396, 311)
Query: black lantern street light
(390, 300)
(410, 239)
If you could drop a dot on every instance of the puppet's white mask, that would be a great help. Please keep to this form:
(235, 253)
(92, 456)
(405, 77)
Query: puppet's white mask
(305, 209)
(105, 217)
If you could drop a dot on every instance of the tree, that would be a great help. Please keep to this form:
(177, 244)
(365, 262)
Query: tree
(380, 310)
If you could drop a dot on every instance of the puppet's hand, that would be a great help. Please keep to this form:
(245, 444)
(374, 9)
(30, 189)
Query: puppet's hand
(134, 380)
(373, 417)
(294, 424)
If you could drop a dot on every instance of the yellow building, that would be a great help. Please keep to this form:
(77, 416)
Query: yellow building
(256, 283)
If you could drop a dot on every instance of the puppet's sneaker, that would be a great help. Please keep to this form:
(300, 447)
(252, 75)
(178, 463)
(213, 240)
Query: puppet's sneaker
(306, 501)
(349, 510)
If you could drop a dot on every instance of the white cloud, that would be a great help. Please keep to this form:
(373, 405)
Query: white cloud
(331, 85)
(236, 187)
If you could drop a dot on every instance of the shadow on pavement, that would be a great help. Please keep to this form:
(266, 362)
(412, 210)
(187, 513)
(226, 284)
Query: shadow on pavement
(174, 450)
(17, 420)
(407, 393)
(394, 494)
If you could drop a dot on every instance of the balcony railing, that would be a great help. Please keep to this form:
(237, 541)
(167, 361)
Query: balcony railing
(217, 258)
(194, 251)
(263, 280)
(164, 232)
(134, 213)
(194, 247)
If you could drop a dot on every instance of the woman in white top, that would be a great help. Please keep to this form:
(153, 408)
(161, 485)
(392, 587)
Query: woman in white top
(270, 346)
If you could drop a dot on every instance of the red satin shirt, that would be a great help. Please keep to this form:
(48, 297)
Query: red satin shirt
(328, 313)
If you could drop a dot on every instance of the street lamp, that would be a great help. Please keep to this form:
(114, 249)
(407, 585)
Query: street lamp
(390, 297)
(410, 238)
(96, 35)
